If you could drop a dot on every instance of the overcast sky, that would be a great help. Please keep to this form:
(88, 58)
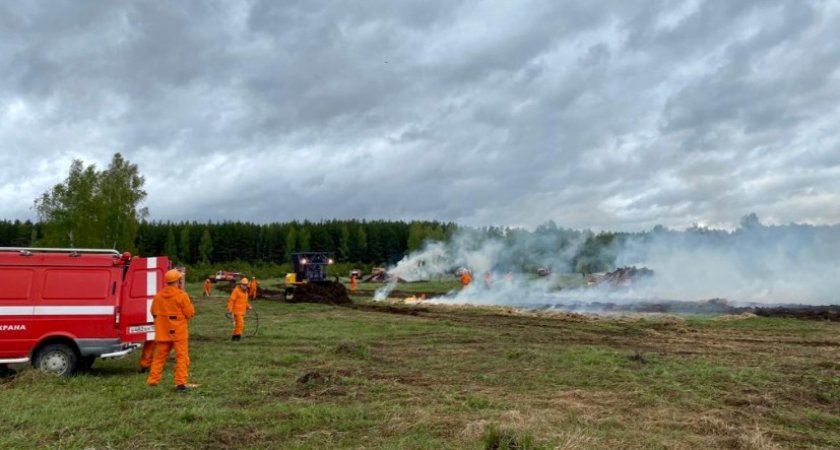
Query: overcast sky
(595, 114)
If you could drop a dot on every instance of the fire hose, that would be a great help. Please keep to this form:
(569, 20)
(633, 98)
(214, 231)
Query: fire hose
(252, 321)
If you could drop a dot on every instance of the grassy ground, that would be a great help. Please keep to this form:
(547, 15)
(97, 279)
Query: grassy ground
(397, 377)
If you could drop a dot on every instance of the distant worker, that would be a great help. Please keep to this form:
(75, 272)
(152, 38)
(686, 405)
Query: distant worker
(172, 310)
(353, 282)
(252, 287)
(238, 305)
(488, 279)
(207, 287)
(466, 278)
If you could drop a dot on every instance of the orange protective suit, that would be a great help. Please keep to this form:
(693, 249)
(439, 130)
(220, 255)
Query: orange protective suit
(252, 289)
(238, 306)
(147, 354)
(172, 309)
(466, 279)
(182, 361)
(353, 283)
(207, 286)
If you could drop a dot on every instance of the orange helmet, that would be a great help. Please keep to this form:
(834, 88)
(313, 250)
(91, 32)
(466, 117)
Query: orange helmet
(172, 276)
(243, 281)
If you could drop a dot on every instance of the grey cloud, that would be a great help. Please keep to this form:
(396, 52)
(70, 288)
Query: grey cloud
(604, 114)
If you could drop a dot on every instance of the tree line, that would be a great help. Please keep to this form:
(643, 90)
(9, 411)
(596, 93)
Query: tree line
(367, 242)
(376, 242)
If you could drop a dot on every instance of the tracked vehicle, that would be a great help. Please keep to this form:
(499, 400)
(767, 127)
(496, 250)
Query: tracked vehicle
(310, 283)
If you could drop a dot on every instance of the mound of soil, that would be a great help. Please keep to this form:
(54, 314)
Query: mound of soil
(328, 292)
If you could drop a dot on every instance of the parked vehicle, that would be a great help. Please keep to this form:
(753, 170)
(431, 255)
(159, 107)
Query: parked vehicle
(60, 309)
(224, 276)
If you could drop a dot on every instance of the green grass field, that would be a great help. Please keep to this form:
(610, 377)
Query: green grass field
(432, 377)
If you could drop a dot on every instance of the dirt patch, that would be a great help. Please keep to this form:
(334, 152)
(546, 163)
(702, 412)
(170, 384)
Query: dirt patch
(314, 376)
(326, 292)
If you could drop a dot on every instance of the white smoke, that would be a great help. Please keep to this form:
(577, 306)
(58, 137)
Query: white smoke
(383, 292)
(754, 264)
(482, 252)
(790, 264)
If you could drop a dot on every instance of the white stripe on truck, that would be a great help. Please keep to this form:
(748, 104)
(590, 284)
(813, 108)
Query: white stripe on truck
(56, 310)
(151, 290)
(16, 310)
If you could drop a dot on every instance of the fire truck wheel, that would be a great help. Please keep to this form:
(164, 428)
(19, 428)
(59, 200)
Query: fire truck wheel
(289, 294)
(57, 359)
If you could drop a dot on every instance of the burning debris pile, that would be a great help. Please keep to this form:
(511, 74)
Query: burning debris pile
(380, 275)
(624, 276)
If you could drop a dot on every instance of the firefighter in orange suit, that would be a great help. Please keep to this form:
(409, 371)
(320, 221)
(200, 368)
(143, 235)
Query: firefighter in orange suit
(238, 306)
(252, 288)
(172, 310)
(207, 286)
(466, 278)
(353, 283)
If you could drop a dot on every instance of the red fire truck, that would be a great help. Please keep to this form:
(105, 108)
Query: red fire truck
(60, 309)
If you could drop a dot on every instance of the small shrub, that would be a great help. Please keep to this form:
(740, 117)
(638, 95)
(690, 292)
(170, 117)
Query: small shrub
(499, 439)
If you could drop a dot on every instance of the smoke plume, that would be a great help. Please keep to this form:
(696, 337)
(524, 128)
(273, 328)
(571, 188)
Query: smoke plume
(754, 264)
